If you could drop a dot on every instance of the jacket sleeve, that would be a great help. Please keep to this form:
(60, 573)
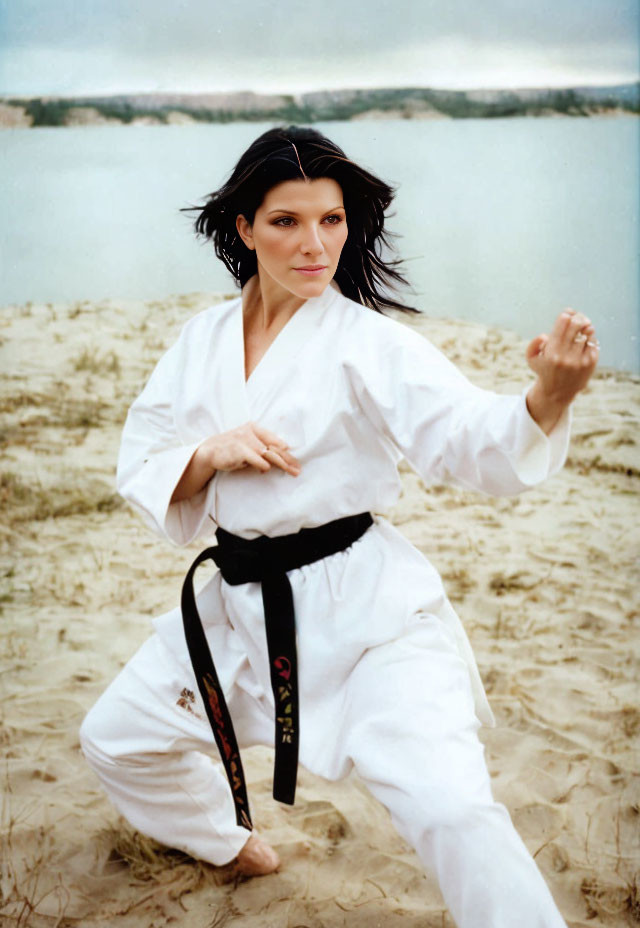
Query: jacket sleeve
(448, 429)
(153, 457)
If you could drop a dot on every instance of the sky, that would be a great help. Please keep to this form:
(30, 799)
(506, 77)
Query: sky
(84, 47)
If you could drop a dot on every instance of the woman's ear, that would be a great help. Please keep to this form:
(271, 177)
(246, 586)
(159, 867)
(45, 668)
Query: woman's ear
(244, 231)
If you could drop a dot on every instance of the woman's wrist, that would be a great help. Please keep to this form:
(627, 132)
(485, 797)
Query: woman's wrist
(196, 474)
(204, 457)
(203, 461)
(546, 410)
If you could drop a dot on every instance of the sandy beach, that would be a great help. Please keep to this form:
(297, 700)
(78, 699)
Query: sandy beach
(545, 583)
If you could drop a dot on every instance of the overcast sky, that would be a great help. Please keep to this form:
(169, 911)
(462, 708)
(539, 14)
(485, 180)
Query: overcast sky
(72, 47)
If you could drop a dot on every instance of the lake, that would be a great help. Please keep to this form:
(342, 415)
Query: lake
(502, 221)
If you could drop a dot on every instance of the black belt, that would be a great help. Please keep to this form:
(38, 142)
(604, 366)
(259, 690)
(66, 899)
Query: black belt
(264, 560)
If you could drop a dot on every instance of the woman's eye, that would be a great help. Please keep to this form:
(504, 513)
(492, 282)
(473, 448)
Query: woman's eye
(288, 221)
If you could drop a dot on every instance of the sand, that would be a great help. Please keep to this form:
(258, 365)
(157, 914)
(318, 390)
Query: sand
(546, 585)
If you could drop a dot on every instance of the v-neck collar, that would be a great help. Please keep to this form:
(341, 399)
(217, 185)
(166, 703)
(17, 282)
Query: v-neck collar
(290, 340)
(253, 281)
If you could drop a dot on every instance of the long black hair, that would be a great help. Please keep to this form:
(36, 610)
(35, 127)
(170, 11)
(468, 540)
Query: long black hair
(288, 153)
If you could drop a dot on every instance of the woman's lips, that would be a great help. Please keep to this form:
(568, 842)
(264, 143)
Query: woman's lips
(311, 270)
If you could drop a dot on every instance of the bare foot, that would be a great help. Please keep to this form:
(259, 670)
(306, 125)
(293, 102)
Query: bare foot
(257, 858)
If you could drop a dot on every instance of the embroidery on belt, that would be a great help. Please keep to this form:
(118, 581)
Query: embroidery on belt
(187, 700)
(285, 705)
(229, 754)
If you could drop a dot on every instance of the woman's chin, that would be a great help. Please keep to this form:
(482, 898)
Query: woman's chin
(310, 287)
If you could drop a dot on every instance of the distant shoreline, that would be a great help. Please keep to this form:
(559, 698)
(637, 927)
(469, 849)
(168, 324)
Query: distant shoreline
(320, 106)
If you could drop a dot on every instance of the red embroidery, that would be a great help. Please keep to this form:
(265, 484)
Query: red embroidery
(283, 664)
(214, 703)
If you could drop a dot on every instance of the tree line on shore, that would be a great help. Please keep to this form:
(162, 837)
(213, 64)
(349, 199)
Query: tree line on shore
(330, 105)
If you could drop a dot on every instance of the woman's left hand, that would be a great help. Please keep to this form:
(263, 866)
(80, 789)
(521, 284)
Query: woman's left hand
(563, 361)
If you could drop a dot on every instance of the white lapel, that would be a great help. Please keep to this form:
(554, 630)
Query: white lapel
(230, 398)
(283, 355)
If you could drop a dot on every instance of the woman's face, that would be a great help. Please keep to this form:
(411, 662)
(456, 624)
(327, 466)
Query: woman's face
(298, 233)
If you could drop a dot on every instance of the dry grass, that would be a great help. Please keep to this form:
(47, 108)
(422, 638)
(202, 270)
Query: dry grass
(607, 900)
(150, 862)
(24, 869)
(10, 402)
(24, 501)
(586, 465)
(28, 416)
(458, 582)
(502, 583)
(91, 361)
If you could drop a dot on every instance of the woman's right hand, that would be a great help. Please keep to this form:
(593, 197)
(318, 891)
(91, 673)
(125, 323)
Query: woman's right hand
(249, 445)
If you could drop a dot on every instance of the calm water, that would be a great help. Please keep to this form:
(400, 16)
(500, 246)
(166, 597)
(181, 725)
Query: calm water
(501, 221)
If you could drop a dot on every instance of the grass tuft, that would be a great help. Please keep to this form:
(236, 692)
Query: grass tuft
(91, 361)
(23, 501)
(149, 861)
(605, 900)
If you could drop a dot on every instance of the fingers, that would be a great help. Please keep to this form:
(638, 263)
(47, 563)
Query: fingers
(536, 346)
(255, 459)
(567, 325)
(289, 459)
(573, 334)
(584, 345)
(535, 352)
(565, 360)
(250, 445)
(275, 451)
(577, 325)
(283, 460)
(269, 439)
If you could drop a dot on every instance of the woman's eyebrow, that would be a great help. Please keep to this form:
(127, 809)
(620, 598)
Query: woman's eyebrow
(292, 212)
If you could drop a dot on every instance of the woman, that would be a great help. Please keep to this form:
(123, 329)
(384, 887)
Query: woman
(283, 415)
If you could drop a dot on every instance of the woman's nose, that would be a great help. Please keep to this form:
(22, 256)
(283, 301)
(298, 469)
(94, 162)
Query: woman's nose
(311, 242)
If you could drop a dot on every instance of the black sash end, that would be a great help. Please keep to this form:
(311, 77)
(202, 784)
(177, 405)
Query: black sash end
(265, 560)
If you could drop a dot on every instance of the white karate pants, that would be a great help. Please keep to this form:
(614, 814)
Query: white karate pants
(408, 726)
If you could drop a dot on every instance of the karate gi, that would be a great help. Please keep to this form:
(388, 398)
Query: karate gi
(387, 679)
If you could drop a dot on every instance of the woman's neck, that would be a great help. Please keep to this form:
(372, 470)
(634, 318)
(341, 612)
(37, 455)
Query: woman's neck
(267, 304)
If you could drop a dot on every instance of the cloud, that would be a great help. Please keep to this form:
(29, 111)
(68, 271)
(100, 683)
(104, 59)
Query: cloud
(93, 46)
